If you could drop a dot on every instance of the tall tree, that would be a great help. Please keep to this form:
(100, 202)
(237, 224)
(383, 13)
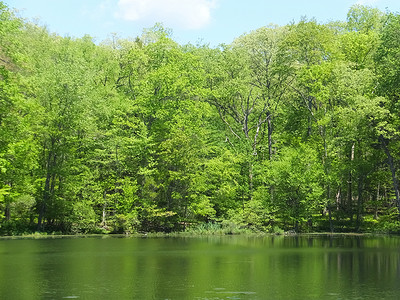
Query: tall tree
(387, 67)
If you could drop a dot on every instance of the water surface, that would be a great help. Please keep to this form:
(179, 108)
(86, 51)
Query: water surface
(228, 267)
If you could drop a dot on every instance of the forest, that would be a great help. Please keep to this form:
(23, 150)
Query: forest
(288, 128)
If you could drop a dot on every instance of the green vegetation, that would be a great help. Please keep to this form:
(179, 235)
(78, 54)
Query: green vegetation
(288, 128)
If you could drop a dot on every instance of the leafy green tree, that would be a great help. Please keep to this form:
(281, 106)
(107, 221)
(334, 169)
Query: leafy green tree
(387, 68)
(292, 127)
(297, 177)
(18, 118)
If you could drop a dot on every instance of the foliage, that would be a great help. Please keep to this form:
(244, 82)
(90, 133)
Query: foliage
(288, 128)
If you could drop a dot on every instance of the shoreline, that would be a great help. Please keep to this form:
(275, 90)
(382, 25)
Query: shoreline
(190, 235)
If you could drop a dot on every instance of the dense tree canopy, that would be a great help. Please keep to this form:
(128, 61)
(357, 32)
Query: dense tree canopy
(290, 127)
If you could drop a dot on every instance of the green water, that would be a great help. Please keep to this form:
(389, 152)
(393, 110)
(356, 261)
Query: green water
(230, 267)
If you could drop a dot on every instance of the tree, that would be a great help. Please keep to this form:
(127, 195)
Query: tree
(18, 119)
(387, 68)
(297, 177)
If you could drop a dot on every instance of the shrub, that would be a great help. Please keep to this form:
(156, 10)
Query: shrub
(83, 218)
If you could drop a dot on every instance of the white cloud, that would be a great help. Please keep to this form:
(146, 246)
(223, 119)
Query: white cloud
(188, 14)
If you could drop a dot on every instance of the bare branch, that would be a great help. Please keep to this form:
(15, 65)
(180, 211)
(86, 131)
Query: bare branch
(230, 128)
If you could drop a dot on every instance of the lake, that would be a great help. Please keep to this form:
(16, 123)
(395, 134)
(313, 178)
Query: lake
(215, 267)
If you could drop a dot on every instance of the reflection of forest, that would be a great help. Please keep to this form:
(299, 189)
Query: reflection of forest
(306, 267)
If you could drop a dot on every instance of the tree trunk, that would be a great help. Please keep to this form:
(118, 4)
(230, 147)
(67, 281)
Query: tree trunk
(349, 203)
(392, 170)
(48, 187)
(103, 220)
(359, 201)
(43, 204)
(338, 199)
(330, 218)
(329, 206)
(250, 180)
(7, 212)
(376, 203)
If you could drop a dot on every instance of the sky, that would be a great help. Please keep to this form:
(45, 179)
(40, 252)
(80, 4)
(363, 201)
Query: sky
(192, 21)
